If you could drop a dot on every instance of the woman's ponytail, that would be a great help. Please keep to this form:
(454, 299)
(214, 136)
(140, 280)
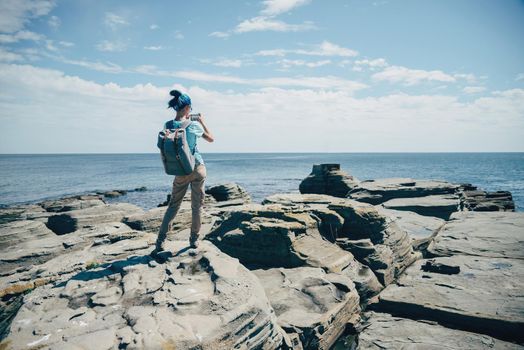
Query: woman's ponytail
(174, 101)
(179, 100)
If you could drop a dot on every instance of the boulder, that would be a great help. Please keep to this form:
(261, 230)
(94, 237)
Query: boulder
(421, 229)
(272, 236)
(440, 206)
(381, 190)
(229, 192)
(495, 234)
(471, 293)
(383, 331)
(328, 179)
(487, 201)
(73, 220)
(196, 299)
(313, 304)
(72, 203)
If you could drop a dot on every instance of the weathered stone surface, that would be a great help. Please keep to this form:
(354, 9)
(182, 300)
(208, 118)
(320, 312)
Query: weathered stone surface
(487, 201)
(23, 212)
(421, 229)
(314, 304)
(206, 300)
(486, 296)
(72, 203)
(368, 232)
(374, 239)
(73, 220)
(440, 206)
(383, 331)
(229, 192)
(495, 234)
(26, 242)
(381, 190)
(265, 236)
(328, 179)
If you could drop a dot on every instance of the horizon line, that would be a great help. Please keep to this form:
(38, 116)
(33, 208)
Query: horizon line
(281, 152)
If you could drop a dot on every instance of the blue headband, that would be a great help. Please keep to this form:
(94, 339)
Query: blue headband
(183, 100)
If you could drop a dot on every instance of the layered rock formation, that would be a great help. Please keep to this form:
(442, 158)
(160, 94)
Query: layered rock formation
(476, 286)
(328, 179)
(477, 200)
(297, 271)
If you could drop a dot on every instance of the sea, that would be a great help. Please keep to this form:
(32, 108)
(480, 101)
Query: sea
(30, 178)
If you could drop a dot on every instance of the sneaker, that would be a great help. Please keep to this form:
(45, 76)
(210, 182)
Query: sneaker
(193, 241)
(155, 252)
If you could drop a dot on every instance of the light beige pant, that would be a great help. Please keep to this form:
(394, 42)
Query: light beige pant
(180, 185)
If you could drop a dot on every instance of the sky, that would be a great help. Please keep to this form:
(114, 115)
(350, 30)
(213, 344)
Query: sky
(90, 76)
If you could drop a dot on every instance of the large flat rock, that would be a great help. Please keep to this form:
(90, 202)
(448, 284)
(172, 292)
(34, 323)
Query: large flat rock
(490, 234)
(26, 242)
(73, 220)
(381, 190)
(311, 303)
(485, 296)
(383, 331)
(441, 206)
(201, 299)
(421, 229)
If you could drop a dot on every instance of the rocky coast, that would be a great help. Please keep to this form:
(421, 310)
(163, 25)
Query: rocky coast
(340, 264)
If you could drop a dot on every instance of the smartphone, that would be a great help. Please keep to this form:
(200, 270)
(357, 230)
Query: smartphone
(195, 116)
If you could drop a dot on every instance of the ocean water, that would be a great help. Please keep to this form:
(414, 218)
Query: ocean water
(32, 178)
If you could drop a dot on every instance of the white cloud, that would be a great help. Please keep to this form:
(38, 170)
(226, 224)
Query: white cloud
(285, 63)
(114, 21)
(9, 56)
(470, 78)
(65, 108)
(220, 34)
(474, 89)
(66, 43)
(371, 64)
(15, 14)
(325, 48)
(154, 48)
(154, 26)
(407, 76)
(266, 21)
(107, 67)
(228, 63)
(262, 23)
(54, 22)
(111, 46)
(20, 36)
(277, 7)
(324, 82)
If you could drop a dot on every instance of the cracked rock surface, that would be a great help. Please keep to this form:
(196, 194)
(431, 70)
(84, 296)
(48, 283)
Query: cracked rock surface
(196, 298)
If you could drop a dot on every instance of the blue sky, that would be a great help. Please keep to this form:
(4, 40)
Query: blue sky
(270, 76)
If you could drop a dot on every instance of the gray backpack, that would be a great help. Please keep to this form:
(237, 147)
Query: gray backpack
(174, 149)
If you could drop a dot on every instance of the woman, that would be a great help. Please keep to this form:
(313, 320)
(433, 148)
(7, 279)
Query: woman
(181, 103)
